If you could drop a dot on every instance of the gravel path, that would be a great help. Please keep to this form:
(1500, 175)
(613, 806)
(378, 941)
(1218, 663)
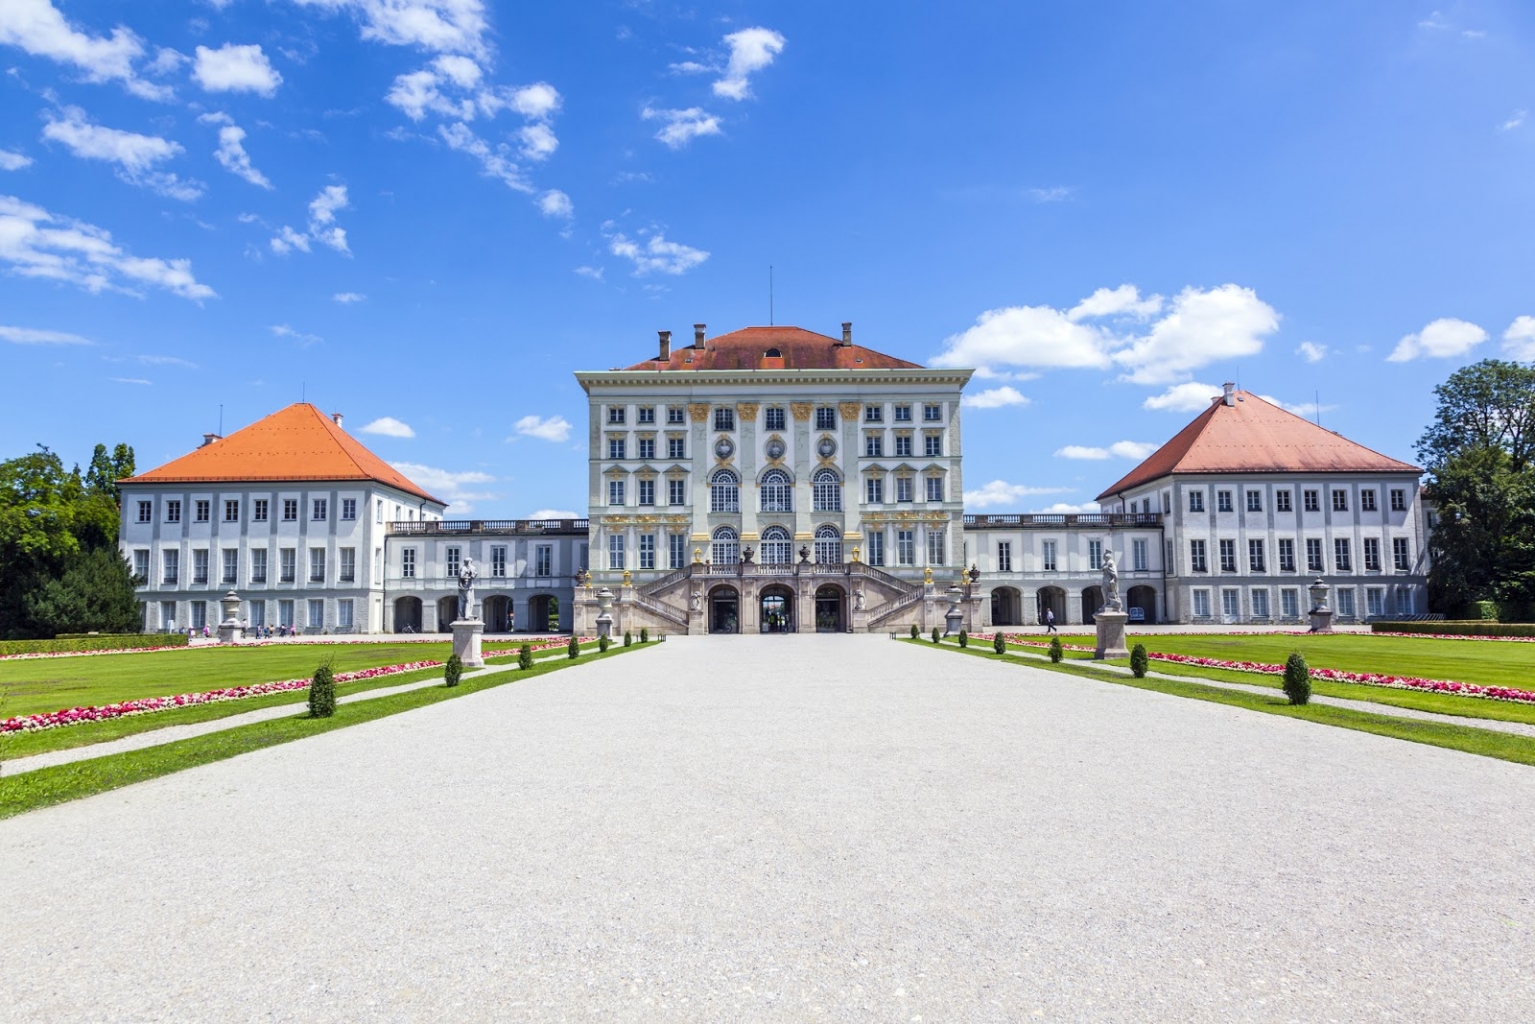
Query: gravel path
(789, 828)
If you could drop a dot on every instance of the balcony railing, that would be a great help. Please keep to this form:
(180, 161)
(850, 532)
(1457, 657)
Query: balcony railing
(1038, 520)
(472, 526)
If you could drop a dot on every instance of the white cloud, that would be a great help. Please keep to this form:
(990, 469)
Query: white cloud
(1311, 351)
(233, 68)
(388, 426)
(37, 243)
(657, 255)
(1077, 451)
(1201, 327)
(1307, 410)
(454, 488)
(231, 153)
(322, 224)
(555, 203)
(555, 513)
(13, 161)
(130, 380)
(1026, 336)
(1054, 194)
(1190, 397)
(1514, 121)
(595, 273)
(347, 298)
(1000, 492)
(682, 126)
(38, 27)
(1068, 509)
(135, 155)
(1122, 301)
(496, 162)
(304, 340)
(690, 67)
(438, 26)
(31, 336)
(995, 398)
(751, 50)
(1444, 338)
(538, 141)
(1118, 450)
(554, 428)
(167, 361)
(539, 101)
(1519, 339)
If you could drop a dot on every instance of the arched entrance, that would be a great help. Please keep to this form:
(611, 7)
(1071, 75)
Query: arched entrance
(497, 613)
(1143, 599)
(1006, 607)
(447, 611)
(1092, 603)
(777, 612)
(407, 615)
(1052, 598)
(544, 613)
(829, 602)
(724, 610)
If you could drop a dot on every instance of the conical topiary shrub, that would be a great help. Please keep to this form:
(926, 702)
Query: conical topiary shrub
(915, 632)
(525, 656)
(322, 692)
(453, 670)
(999, 642)
(628, 638)
(1138, 661)
(602, 644)
(573, 648)
(937, 636)
(964, 639)
(1297, 679)
(644, 635)
(1057, 652)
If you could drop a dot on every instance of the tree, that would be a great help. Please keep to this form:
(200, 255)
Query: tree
(95, 593)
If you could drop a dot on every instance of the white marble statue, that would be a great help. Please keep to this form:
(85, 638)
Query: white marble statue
(466, 577)
(1111, 601)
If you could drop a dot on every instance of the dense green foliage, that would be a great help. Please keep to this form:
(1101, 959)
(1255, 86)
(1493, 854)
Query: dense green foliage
(55, 525)
(1057, 652)
(1297, 679)
(998, 642)
(322, 692)
(525, 657)
(1452, 627)
(574, 648)
(103, 642)
(628, 638)
(1138, 661)
(937, 636)
(453, 671)
(644, 635)
(915, 632)
(602, 644)
(964, 639)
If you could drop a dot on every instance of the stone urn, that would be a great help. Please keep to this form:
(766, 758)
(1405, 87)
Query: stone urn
(1320, 614)
(229, 625)
(954, 619)
(604, 612)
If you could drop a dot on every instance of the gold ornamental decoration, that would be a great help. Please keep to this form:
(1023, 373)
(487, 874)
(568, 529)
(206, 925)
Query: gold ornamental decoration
(698, 412)
(849, 410)
(801, 410)
(747, 410)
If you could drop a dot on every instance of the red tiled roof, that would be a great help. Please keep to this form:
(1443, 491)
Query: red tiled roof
(296, 443)
(797, 348)
(1254, 436)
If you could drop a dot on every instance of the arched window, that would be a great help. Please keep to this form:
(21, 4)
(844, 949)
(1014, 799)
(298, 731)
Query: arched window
(826, 491)
(726, 549)
(828, 545)
(777, 492)
(724, 492)
(776, 546)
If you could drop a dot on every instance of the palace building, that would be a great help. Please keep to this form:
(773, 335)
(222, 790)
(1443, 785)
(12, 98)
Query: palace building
(773, 479)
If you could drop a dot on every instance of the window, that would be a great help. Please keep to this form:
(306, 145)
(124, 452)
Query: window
(724, 492)
(1201, 604)
(825, 418)
(903, 488)
(647, 551)
(287, 565)
(1398, 500)
(231, 511)
(1254, 501)
(1004, 556)
(906, 547)
(285, 613)
(932, 412)
(676, 414)
(935, 488)
(378, 511)
(615, 551)
(450, 562)
(1313, 500)
(1404, 601)
(1255, 557)
(1289, 603)
(616, 414)
(676, 448)
(1340, 555)
(1372, 554)
(902, 413)
(1228, 556)
(647, 448)
(1374, 599)
(316, 565)
(615, 492)
(1314, 555)
(316, 613)
(344, 612)
(1231, 605)
(876, 545)
(935, 547)
(777, 492)
(828, 545)
(168, 615)
(173, 511)
(874, 490)
(170, 565)
(230, 564)
(826, 491)
(408, 563)
(141, 565)
(349, 509)
(874, 414)
(1138, 561)
(726, 548)
(1223, 501)
(676, 550)
(675, 494)
(874, 446)
(199, 614)
(1399, 555)
(290, 510)
(776, 546)
(258, 565)
(932, 445)
(645, 414)
(903, 446)
(1346, 602)
(1196, 501)
(1167, 558)
(615, 448)
(1095, 554)
(1260, 599)
(258, 613)
(1366, 500)
(773, 418)
(1282, 501)
(347, 570)
(199, 565)
(1197, 560)
(1047, 555)
(647, 492)
(202, 508)
(1340, 501)
(724, 419)
(1286, 554)
(543, 560)
(320, 510)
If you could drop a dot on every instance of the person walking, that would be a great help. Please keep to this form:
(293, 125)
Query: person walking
(1050, 621)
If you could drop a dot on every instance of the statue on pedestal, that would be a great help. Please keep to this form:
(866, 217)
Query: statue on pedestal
(466, 577)
(1111, 601)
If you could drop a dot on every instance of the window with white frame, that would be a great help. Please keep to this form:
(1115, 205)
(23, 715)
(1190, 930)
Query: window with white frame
(874, 490)
(902, 414)
(615, 551)
(1340, 554)
(1314, 555)
(647, 450)
(773, 418)
(615, 448)
(498, 560)
(346, 567)
(408, 563)
(1282, 501)
(1401, 557)
(321, 508)
(1311, 501)
(903, 446)
(676, 493)
(828, 545)
(647, 492)
(1223, 501)
(904, 487)
(258, 565)
(934, 488)
(1138, 561)
(874, 414)
(936, 548)
(826, 491)
(170, 565)
(348, 509)
(1198, 562)
(724, 418)
(876, 548)
(285, 613)
(1197, 504)
(167, 615)
(724, 491)
(258, 613)
(1255, 556)
(451, 556)
(1231, 605)
(1340, 501)
(874, 446)
(676, 448)
(676, 414)
(777, 492)
(1404, 601)
(1228, 555)
(290, 510)
(230, 559)
(199, 565)
(146, 511)
(1004, 556)
(543, 560)
(1260, 602)
(725, 548)
(1254, 502)
(1346, 602)
(316, 613)
(777, 546)
(615, 492)
(932, 445)
(1289, 603)
(202, 508)
(1398, 500)
(1201, 603)
(645, 414)
(1286, 554)
(1095, 554)
(826, 417)
(906, 547)
(932, 412)
(231, 510)
(1374, 600)
(199, 614)
(1367, 500)
(1372, 554)
(141, 565)
(616, 414)
(344, 614)
(378, 511)
(647, 551)
(316, 565)
(676, 550)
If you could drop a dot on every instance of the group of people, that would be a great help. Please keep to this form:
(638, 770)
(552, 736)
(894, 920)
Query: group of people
(267, 632)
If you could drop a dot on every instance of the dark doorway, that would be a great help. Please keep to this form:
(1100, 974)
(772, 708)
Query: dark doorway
(1141, 602)
(497, 612)
(544, 611)
(1006, 607)
(724, 610)
(1053, 598)
(407, 615)
(1092, 603)
(828, 609)
(777, 610)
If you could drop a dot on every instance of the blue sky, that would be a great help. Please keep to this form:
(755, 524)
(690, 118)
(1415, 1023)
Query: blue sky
(426, 213)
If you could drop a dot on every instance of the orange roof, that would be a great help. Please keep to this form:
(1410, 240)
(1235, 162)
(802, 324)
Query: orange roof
(296, 443)
(1254, 436)
(751, 348)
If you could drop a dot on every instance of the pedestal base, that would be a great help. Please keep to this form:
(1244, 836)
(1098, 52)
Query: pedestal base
(953, 622)
(228, 632)
(1321, 622)
(466, 642)
(1111, 635)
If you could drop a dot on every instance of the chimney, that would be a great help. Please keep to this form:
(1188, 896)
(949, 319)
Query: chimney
(337, 417)
(209, 439)
(1231, 393)
(847, 332)
(666, 346)
(698, 336)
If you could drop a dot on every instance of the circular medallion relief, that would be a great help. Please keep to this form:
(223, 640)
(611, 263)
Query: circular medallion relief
(826, 447)
(776, 448)
(724, 448)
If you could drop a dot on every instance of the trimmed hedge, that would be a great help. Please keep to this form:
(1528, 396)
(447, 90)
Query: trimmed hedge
(100, 642)
(1450, 627)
